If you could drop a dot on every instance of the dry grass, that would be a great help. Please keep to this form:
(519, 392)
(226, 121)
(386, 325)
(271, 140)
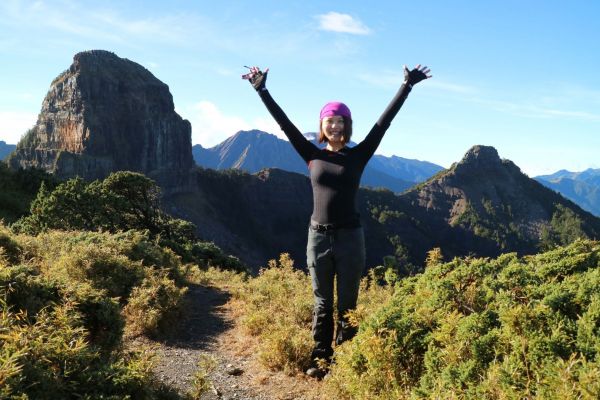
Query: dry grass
(272, 316)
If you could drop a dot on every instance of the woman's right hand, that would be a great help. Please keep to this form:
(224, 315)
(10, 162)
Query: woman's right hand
(257, 78)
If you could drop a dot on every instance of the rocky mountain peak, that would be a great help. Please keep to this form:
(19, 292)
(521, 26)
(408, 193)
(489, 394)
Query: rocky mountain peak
(479, 155)
(484, 187)
(104, 114)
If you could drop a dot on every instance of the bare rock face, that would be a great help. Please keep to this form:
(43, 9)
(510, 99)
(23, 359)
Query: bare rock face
(105, 114)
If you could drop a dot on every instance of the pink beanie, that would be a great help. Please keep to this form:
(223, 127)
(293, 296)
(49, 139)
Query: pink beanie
(335, 108)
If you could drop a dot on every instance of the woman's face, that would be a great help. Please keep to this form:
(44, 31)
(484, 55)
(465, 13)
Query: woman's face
(333, 128)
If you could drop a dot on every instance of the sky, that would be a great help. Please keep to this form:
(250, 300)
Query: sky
(521, 76)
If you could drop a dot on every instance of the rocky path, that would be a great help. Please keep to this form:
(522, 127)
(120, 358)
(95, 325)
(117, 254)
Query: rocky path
(209, 332)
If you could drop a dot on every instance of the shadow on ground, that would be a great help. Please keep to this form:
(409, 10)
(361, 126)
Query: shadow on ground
(202, 322)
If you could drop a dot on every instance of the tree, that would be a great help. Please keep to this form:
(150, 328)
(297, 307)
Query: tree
(565, 227)
(121, 202)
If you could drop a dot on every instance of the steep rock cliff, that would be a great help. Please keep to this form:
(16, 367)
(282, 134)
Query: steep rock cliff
(104, 114)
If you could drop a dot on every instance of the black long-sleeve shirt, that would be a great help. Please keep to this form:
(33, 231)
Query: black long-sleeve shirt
(335, 175)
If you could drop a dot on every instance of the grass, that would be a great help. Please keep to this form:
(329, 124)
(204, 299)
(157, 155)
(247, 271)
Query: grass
(276, 306)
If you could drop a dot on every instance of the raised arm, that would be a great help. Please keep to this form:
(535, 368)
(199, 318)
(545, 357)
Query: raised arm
(302, 145)
(370, 143)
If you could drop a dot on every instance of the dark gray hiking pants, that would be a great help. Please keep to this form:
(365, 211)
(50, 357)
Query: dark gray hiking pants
(334, 255)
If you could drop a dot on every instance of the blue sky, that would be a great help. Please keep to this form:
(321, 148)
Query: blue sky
(521, 76)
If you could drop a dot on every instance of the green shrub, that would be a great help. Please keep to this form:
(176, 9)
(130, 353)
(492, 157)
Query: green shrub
(483, 329)
(102, 268)
(61, 321)
(278, 309)
(9, 249)
(122, 202)
(19, 188)
(25, 289)
(153, 304)
(201, 383)
(101, 315)
(52, 359)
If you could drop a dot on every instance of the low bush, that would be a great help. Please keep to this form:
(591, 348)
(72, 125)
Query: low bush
(276, 307)
(9, 249)
(52, 358)
(483, 329)
(66, 298)
(153, 304)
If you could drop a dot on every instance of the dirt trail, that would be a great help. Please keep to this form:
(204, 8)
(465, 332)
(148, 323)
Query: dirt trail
(209, 329)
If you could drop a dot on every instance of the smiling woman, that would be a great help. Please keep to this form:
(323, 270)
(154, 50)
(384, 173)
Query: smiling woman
(336, 245)
(335, 126)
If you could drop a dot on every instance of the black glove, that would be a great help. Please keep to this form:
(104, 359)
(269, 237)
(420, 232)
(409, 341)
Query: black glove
(414, 76)
(257, 78)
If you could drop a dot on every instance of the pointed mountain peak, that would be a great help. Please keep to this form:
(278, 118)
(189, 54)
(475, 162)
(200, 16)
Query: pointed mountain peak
(251, 133)
(483, 160)
(481, 155)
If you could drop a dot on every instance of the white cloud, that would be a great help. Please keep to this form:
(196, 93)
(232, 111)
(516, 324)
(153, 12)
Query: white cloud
(268, 124)
(393, 79)
(533, 110)
(74, 19)
(344, 23)
(226, 71)
(450, 87)
(568, 113)
(14, 124)
(210, 126)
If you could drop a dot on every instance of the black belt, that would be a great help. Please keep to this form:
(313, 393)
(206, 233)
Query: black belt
(332, 227)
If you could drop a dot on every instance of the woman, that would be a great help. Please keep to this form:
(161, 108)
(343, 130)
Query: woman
(336, 247)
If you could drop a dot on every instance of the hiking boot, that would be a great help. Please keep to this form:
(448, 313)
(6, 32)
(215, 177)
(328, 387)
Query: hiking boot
(316, 372)
(318, 368)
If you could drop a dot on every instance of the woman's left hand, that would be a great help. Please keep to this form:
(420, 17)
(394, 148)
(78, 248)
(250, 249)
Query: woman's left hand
(416, 75)
(257, 78)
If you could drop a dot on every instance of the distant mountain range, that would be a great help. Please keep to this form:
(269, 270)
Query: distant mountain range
(6, 149)
(581, 187)
(255, 150)
(482, 205)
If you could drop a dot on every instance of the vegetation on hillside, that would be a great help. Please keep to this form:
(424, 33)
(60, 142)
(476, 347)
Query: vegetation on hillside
(473, 328)
(123, 201)
(483, 329)
(96, 262)
(18, 189)
(66, 301)
(565, 227)
(91, 264)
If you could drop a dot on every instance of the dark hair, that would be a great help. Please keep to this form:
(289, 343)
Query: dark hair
(345, 135)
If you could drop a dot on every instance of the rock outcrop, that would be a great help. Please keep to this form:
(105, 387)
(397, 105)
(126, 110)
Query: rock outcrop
(105, 114)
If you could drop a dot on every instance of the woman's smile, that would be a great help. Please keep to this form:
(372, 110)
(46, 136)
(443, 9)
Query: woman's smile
(333, 127)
